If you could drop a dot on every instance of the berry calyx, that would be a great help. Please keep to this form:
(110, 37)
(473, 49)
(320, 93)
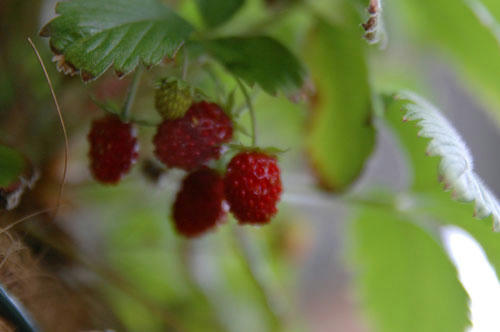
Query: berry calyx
(199, 205)
(253, 186)
(172, 98)
(113, 149)
(194, 139)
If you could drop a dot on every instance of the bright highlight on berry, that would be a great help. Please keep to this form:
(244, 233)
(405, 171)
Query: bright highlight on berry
(199, 205)
(113, 149)
(253, 187)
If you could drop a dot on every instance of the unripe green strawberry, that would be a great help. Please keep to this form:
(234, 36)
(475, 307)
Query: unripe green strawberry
(172, 98)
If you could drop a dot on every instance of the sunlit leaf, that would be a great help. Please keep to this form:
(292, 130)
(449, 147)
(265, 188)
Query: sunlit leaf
(404, 276)
(440, 209)
(456, 166)
(340, 134)
(92, 35)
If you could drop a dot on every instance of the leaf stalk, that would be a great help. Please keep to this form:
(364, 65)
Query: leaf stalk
(132, 92)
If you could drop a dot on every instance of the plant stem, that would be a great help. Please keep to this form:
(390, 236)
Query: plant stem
(219, 87)
(186, 253)
(132, 91)
(185, 65)
(251, 110)
(255, 266)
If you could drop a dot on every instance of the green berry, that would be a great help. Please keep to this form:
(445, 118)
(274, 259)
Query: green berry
(172, 98)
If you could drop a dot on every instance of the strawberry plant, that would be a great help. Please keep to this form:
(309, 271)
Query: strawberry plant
(213, 153)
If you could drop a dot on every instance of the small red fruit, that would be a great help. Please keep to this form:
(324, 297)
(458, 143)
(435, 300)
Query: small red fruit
(113, 149)
(199, 205)
(194, 139)
(253, 187)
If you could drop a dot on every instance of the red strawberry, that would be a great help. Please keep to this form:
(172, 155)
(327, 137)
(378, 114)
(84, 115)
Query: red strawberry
(194, 139)
(113, 149)
(199, 204)
(253, 186)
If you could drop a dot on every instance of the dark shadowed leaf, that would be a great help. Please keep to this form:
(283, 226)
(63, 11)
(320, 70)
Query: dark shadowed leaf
(217, 12)
(261, 60)
(16, 175)
(93, 35)
(12, 165)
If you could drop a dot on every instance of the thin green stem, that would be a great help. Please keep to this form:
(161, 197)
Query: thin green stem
(185, 65)
(186, 255)
(132, 91)
(219, 87)
(253, 118)
(255, 266)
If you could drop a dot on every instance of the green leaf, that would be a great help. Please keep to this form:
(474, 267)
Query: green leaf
(94, 35)
(262, 60)
(404, 276)
(467, 43)
(12, 165)
(217, 12)
(447, 212)
(423, 168)
(341, 135)
(16, 175)
(456, 166)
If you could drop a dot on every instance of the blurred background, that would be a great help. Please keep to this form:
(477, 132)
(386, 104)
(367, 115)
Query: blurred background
(111, 259)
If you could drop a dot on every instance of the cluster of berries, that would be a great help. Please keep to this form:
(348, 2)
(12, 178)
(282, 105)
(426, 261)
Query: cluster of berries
(191, 135)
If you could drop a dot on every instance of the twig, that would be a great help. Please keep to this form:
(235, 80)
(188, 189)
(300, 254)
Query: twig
(34, 214)
(63, 126)
(374, 6)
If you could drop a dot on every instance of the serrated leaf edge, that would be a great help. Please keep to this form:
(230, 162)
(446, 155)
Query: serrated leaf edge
(456, 168)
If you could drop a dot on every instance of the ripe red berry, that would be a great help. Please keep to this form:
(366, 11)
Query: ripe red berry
(253, 186)
(113, 149)
(199, 204)
(194, 139)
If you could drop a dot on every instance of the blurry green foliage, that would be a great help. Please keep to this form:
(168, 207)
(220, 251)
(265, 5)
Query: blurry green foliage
(260, 60)
(405, 279)
(340, 134)
(217, 12)
(465, 42)
(12, 165)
